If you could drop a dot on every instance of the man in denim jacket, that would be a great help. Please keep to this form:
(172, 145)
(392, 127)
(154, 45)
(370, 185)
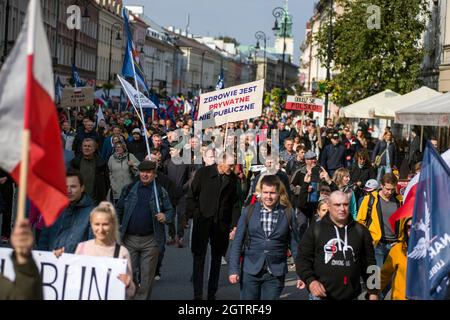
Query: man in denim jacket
(143, 210)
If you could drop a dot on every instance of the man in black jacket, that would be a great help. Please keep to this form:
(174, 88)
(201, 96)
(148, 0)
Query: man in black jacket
(213, 202)
(178, 173)
(334, 253)
(333, 155)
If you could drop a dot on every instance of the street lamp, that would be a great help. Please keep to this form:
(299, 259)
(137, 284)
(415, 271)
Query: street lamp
(118, 28)
(329, 55)
(260, 35)
(250, 57)
(277, 13)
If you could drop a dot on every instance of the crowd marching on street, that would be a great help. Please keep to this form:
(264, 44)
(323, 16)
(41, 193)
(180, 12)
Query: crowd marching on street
(319, 203)
(267, 191)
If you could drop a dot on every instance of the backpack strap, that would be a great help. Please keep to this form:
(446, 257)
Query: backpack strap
(368, 220)
(116, 250)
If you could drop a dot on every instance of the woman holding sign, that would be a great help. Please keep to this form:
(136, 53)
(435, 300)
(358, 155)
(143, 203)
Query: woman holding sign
(104, 224)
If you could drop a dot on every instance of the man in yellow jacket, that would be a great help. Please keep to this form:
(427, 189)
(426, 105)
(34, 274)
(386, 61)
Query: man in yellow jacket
(375, 211)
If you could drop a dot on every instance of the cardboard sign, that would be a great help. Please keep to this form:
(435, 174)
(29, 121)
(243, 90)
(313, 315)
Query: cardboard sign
(77, 97)
(74, 277)
(237, 103)
(304, 104)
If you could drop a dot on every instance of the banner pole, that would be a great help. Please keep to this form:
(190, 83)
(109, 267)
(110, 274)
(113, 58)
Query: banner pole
(23, 179)
(302, 122)
(140, 107)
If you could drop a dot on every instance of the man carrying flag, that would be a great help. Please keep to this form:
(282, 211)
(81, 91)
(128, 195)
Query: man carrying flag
(429, 245)
(31, 149)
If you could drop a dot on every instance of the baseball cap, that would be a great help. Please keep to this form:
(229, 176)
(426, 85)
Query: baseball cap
(335, 136)
(136, 130)
(310, 155)
(371, 185)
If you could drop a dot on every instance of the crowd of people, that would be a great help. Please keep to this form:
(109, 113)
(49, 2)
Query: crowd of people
(319, 202)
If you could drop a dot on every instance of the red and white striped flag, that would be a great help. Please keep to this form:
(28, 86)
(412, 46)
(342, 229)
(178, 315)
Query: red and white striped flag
(27, 102)
(407, 209)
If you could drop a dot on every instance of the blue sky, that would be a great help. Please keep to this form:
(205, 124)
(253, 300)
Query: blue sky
(235, 18)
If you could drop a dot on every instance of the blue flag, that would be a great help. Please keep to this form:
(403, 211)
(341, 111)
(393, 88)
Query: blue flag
(220, 82)
(58, 89)
(132, 57)
(76, 77)
(429, 244)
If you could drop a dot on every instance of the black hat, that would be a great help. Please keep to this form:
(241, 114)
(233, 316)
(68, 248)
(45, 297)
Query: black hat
(147, 165)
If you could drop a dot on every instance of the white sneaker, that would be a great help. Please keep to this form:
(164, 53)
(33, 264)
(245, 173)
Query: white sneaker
(224, 262)
(157, 277)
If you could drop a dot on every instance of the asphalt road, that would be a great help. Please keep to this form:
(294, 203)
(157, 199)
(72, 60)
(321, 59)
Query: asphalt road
(176, 272)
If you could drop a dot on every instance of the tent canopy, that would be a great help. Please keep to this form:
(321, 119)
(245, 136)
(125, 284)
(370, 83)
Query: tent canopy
(395, 104)
(366, 108)
(432, 112)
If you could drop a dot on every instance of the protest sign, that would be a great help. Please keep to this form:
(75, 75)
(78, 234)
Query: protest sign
(307, 104)
(237, 103)
(74, 277)
(77, 97)
(133, 95)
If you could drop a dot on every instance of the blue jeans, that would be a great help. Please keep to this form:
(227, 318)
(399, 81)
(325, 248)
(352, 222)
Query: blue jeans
(381, 253)
(263, 286)
(383, 170)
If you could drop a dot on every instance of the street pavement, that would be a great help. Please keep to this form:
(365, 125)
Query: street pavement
(176, 273)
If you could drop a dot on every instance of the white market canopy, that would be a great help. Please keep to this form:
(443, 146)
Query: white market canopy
(405, 101)
(432, 112)
(367, 107)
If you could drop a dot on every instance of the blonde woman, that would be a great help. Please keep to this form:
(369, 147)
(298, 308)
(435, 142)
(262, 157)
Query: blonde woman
(105, 226)
(341, 178)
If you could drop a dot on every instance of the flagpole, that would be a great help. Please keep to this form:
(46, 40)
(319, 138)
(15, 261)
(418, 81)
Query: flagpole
(23, 179)
(140, 107)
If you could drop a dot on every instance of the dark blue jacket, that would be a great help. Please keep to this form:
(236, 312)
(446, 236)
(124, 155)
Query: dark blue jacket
(379, 149)
(72, 227)
(261, 249)
(333, 157)
(127, 203)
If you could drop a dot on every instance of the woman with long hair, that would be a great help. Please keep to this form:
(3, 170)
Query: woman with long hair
(105, 226)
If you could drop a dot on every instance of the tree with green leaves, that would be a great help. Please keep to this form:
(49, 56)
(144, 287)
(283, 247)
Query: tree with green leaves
(371, 52)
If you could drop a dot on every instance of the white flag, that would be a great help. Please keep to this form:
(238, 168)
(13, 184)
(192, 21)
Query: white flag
(100, 115)
(133, 95)
(187, 107)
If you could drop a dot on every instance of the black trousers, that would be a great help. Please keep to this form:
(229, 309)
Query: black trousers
(217, 234)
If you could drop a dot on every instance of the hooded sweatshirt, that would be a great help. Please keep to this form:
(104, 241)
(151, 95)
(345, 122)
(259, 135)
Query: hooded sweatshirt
(336, 257)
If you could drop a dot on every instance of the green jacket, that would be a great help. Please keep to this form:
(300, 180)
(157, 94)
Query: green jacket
(28, 283)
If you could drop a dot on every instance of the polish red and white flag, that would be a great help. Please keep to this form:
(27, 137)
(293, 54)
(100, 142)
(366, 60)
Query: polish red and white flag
(27, 102)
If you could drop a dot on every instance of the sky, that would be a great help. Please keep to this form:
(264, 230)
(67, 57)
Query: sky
(239, 19)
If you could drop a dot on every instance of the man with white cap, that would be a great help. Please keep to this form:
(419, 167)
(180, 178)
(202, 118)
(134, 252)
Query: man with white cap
(370, 186)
